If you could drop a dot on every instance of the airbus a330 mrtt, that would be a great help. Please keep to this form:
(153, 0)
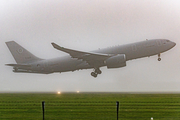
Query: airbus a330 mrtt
(113, 57)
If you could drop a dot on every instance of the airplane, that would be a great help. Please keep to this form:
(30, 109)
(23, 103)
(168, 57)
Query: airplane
(113, 57)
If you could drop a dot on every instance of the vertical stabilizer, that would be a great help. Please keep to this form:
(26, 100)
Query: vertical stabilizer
(20, 54)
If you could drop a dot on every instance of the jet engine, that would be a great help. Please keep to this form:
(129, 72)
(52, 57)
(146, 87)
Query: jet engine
(116, 61)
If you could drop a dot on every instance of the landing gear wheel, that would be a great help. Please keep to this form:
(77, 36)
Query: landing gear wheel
(94, 74)
(159, 59)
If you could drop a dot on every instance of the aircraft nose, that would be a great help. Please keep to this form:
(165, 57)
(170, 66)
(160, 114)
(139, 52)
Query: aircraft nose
(173, 44)
(170, 44)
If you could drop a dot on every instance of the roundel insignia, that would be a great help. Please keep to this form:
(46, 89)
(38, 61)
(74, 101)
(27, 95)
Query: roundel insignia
(20, 50)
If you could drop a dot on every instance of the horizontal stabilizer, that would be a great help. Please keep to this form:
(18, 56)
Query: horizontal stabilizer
(18, 65)
(25, 71)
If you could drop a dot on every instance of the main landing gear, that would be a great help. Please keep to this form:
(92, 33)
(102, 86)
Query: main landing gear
(159, 55)
(96, 72)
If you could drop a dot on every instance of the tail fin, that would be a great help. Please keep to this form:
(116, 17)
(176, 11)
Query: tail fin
(20, 54)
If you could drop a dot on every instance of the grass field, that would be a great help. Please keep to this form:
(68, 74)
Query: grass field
(89, 106)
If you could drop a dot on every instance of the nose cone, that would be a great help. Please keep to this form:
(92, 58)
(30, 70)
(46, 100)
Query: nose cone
(173, 44)
(165, 45)
(169, 43)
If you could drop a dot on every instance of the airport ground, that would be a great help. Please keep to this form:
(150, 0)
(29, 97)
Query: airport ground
(89, 106)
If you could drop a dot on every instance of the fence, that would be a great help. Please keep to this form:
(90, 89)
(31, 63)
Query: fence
(89, 110)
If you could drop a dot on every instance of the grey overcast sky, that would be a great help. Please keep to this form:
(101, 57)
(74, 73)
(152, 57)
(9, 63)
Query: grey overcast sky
(89, 25)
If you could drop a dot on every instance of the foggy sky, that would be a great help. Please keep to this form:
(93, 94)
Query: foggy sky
(88, 25)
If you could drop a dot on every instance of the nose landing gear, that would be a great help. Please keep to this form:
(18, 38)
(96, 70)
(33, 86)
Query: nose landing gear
(96, 72)
(159, 55)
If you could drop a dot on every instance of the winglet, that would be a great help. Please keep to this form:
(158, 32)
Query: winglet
(56, 46)
(60, 48)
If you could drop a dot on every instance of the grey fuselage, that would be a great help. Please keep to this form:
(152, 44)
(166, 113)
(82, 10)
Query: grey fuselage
(132, 51)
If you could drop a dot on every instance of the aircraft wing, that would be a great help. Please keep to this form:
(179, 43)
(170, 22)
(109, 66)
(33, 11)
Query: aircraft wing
(89, 57)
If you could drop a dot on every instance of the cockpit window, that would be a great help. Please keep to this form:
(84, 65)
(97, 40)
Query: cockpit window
(167, 40)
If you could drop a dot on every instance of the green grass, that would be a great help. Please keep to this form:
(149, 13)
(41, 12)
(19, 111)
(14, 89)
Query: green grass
(89, 106)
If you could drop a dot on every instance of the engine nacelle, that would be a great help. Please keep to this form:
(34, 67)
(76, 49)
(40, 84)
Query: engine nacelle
(116, 61)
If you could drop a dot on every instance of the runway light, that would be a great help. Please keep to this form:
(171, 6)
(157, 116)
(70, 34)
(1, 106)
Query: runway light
(58, 92)
(77, 91)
